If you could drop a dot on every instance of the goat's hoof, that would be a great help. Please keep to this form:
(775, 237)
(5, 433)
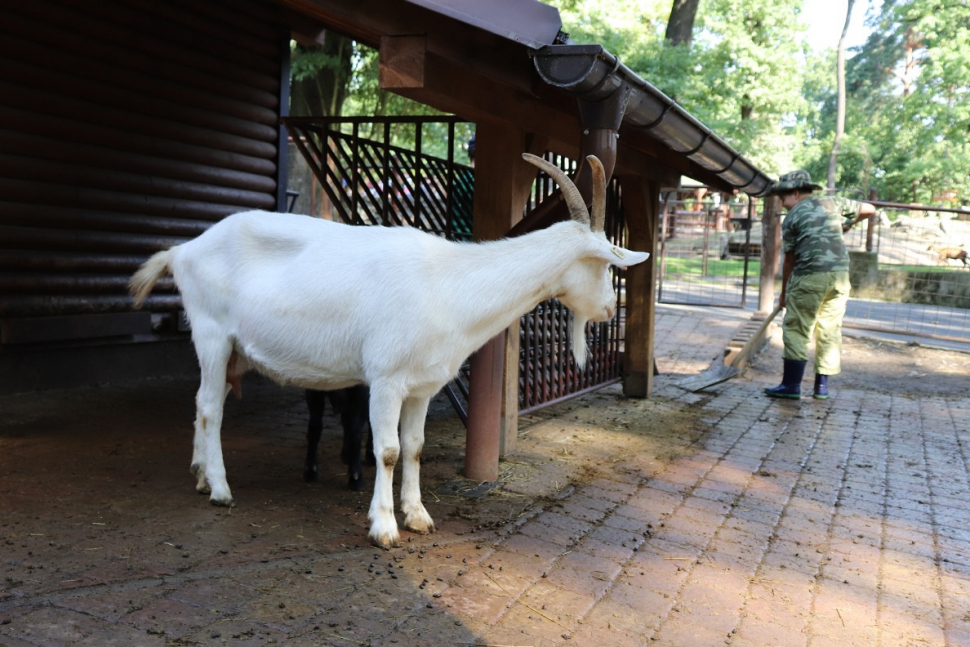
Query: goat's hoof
(419, 523)
(310, 475)
(355, 482)
(222, 496)
(203, 488)
(386, 541)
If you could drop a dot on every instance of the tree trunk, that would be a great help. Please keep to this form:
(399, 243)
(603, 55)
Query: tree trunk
(681, 23)
(840, 109)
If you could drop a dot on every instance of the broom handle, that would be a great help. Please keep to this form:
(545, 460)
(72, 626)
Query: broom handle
(751, 342)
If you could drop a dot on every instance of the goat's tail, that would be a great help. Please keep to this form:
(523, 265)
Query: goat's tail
(144, 279)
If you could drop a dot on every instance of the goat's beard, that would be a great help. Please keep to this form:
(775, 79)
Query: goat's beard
(579, 342)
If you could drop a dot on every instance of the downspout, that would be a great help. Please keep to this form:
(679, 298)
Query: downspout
(600, 121)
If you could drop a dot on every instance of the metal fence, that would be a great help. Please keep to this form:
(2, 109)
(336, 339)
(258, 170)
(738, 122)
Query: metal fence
(910, 272)
(710, 246)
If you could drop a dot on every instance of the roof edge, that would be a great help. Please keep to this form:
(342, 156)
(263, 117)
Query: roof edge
(590, 73)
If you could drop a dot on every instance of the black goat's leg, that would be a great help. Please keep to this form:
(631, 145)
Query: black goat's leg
(354, 418)
(315, 403)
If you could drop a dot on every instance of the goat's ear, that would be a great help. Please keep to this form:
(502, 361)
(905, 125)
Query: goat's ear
(622, 257)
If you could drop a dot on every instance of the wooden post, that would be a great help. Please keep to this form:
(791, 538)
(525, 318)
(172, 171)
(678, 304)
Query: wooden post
(502, 183)
(770, 253)
(641, 203)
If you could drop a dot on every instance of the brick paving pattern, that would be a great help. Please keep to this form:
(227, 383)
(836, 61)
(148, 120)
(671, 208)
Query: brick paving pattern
(782, 523)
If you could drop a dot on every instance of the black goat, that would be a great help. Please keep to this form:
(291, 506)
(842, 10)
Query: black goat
(352, 404)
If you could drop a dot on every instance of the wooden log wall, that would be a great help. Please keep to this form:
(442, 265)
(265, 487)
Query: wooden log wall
(127, 126)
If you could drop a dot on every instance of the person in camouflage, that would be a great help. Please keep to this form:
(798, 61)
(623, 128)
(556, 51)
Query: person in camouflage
(815, 280)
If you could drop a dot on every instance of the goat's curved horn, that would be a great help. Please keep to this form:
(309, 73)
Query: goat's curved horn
(598, 218)
(574, 199)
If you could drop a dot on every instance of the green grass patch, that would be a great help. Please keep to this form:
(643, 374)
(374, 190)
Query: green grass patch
(930, 269)
(715, 267)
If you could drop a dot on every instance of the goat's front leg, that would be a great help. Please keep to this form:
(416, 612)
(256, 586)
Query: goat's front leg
(413, 414)
(385, 412)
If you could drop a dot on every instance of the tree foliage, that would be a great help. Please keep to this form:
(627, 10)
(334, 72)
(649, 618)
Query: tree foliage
(908, 122)
(340, 78)
(730, 75)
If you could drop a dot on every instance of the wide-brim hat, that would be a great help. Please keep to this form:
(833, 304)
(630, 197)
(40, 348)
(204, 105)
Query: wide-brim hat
(792, 182)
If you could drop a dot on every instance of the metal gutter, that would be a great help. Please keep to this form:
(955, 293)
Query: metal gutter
(597, 78)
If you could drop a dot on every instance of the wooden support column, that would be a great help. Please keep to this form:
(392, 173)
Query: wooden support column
(641, 204)
(502, 183)
(770, 252)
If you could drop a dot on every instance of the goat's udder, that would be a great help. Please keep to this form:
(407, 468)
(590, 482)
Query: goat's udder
(233, 376)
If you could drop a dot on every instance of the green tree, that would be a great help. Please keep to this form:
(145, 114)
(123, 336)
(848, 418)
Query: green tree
(908, 123)
(680, 27)
(320, 76)
(340, 78)
(840, 102)
(739, 74)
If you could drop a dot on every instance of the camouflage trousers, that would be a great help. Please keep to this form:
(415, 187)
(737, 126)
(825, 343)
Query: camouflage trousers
(815, 305)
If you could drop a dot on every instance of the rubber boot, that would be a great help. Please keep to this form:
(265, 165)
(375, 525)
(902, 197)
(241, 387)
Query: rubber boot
(791, 381)
(821, 387)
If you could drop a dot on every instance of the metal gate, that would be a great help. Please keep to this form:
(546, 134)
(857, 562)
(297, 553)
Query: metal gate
(710, 244)
(387, 178)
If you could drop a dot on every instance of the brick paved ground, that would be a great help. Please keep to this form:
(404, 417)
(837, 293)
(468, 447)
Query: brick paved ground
(744, 521)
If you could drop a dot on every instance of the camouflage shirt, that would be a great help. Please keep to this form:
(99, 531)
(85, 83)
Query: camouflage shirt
(813, 231)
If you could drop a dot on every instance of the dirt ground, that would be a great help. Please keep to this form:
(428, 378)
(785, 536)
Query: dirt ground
(147, 454)
(96, 490)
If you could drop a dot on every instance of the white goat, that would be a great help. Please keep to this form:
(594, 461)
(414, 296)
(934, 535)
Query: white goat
(323, 305)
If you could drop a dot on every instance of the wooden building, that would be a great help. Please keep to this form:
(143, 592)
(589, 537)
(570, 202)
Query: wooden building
(127, 126)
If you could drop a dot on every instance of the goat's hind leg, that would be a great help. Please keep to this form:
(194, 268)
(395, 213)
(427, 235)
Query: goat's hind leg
(207, 460)
(413, 414)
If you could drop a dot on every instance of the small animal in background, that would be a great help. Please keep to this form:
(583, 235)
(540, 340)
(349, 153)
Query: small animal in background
(950, 254)
(351, 404)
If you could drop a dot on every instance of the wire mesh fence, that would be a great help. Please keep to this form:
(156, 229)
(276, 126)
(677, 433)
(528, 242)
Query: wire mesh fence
(910, 272)
(910, 267)
(710, 248)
